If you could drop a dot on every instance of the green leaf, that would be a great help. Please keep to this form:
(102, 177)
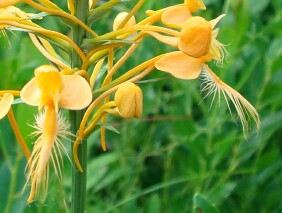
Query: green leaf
(153, 80)
(92, 43)
(154, 204)
(275, 49)
(4, 184)
(257, 6)
(39, 15)
(109, 127)
(102, 10)
(96, 14)
(112, 176)
(202, 204)
(18, 101)
(99, 167)
(218, 194)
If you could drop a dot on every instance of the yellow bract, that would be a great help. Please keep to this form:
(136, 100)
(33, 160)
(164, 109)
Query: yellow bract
(195, 38)
(129, 100)
(5, 104)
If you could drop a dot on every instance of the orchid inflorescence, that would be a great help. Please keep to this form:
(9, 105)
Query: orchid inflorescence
(61, 84)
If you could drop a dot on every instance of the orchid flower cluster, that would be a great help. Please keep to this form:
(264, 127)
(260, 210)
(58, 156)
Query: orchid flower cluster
(75, 81)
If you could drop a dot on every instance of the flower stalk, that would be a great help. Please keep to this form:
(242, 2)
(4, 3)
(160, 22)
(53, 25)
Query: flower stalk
(78, 177)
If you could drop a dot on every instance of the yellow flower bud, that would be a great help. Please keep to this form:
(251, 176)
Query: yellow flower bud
(195, 38)
(129, 100)
(120, 17)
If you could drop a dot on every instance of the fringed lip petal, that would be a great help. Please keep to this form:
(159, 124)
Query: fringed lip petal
(76, 93)
(5, 104)
(31, 93)
(176, 16)
(215, 86)
(169, 40)
(180, 65)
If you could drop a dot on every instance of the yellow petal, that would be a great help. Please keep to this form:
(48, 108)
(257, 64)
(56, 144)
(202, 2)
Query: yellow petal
(17, 12)
(5, 104)
(6, 3)
(45, 68)
(195, 37)
(76, 93)
(180, 65)
(31, 93)
(216, 20)
(50, 83)
(195, 5)
(176, 16)
(169, 40)
(150, 12)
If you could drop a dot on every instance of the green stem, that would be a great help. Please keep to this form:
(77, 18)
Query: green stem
(79, 178)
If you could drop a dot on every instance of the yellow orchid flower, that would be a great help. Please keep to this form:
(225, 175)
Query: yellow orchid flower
(198, 45)
(186, 67)
(50, 90)
(197, 39)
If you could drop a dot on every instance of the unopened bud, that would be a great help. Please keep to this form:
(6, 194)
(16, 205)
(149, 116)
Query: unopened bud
(120, 17)
(195, 38)
(129, 100)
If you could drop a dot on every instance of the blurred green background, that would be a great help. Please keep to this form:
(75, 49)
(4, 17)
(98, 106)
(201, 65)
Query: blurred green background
(182, 155)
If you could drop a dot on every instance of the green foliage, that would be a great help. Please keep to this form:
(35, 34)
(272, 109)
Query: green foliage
(182, 155)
